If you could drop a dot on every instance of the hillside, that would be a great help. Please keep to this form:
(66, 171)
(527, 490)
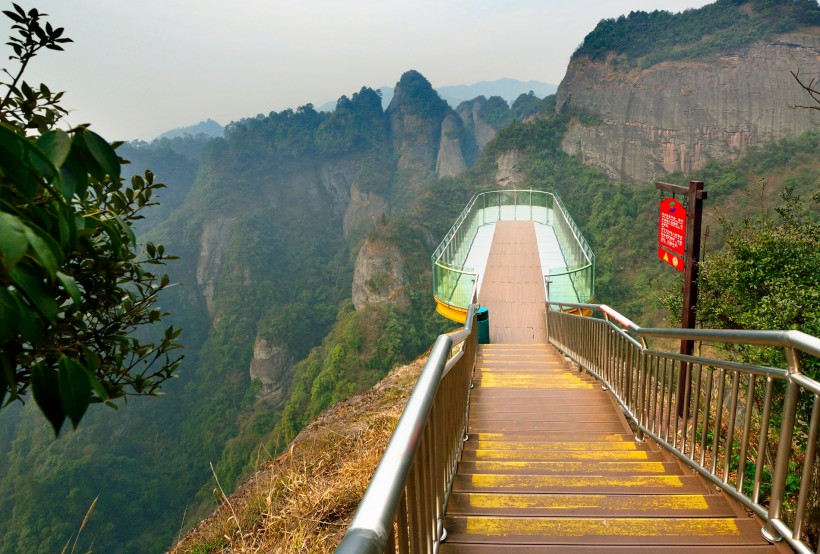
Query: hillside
(304, 499)
(304, 240)
(654, 93)
(288, 300)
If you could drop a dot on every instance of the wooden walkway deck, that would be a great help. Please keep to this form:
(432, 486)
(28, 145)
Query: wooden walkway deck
(513, 286)
(551, 466)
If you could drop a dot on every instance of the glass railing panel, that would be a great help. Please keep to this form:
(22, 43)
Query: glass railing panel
(453, 282)
(453, 286)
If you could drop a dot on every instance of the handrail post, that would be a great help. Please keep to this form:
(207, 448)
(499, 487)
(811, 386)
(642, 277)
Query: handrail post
(784, 448)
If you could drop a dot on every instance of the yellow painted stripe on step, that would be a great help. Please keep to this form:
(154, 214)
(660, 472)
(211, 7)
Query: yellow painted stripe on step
(555, 446)
(563, 456)
(492, 346)
(580, 527)
(516, 381)
(572, 467)
(597, 501)
(490, 481)
(492, 360)
(612, 437)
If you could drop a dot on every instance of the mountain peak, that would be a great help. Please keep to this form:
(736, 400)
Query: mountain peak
(414, 92)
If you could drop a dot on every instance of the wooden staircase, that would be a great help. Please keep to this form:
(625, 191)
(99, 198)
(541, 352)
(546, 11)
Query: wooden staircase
(552, 466)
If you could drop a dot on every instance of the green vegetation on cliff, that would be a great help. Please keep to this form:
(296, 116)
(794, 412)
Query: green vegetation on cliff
(645, 39)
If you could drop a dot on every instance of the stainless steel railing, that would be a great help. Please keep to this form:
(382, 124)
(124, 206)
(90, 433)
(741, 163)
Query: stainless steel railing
(750, 430)
(403, 507)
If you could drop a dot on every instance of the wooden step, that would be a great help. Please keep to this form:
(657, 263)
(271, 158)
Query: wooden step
(589, 484)
(603, 531)
(580, 467)
(551, 465)
(449, 547)
(564, 455)
(555, 445)
(534, 436)
(590, 505)
(545, 426)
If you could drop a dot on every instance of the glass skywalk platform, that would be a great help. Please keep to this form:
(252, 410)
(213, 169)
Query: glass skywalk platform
(459, 262)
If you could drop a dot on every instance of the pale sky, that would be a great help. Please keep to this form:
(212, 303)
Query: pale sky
(138, 68)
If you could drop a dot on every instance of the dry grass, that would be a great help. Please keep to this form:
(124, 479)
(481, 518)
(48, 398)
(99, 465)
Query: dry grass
(303, 500)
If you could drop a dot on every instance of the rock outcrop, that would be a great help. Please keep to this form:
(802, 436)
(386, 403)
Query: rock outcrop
(379, 275)
(212, 242)
(450, 161)
(271, 365)
(362, 211)
(508, 174)
(470, 114)
(426, 135)
(639, 124)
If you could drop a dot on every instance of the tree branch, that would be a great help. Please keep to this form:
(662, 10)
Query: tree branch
(810, 88)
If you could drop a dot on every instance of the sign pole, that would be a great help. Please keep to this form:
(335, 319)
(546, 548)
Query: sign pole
(690, 279)
(694, 219)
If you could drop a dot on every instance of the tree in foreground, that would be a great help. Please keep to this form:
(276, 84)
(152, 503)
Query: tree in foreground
(74, 286)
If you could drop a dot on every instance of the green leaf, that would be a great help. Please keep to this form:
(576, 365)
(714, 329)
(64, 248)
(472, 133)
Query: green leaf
(45, 387)
(14, 161)
(44, 248)
(13, 242)
(31, 324)
(70, 285)
(75, 389)
(103, 154)
(9, 315)
(36, 292)
(126, 229)
(67, 226)
(73, 178)
(13, 16)
(55, 145)
(113, 236)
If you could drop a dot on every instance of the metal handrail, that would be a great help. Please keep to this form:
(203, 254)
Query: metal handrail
(709, 412)
(405, 500)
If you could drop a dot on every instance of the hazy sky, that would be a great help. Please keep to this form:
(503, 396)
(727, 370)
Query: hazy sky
(138, 68)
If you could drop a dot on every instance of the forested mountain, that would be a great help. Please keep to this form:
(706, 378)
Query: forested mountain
(208, 128)
(304, 241)
(652, 93)
(270, 223)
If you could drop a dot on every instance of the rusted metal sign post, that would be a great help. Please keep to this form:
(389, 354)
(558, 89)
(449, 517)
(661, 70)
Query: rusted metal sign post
(668, 239)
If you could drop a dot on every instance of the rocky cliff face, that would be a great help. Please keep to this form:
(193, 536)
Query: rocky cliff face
(509, 174)
(362, 211)
(450, 160)
(272, 366)
(213, 240)
(427, 135)
(470, 114)
(639, 124)
(379, 275)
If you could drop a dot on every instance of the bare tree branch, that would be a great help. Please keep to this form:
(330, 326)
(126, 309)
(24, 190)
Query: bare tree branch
(810, 88)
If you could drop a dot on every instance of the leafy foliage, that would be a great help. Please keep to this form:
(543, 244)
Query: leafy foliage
(765, 277)
(648, 38)
(416, 95)
(527, 105)
(74, 287)
(496, 112)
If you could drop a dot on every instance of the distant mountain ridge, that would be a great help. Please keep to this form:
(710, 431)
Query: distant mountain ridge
(209, 127)
(506, 88)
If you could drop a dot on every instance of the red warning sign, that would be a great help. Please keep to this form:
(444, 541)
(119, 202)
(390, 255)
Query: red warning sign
(672, 226)
(672, 259)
